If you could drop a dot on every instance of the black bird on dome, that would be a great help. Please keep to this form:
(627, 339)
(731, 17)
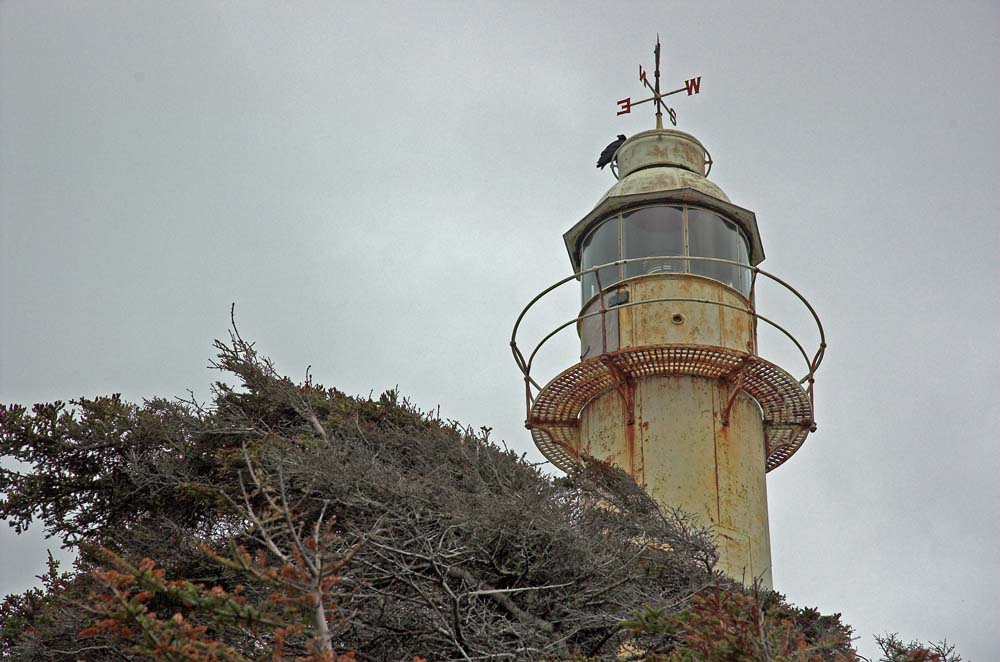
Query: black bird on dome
(609, 152)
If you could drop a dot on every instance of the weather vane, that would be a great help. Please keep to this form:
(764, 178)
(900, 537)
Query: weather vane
(691, 86)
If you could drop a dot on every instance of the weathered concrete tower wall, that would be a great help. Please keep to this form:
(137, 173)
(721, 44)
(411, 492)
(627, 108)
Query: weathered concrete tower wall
(670, 385)
(678, 436)
(693, 442)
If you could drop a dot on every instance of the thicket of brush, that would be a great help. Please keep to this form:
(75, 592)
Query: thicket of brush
(290, 521)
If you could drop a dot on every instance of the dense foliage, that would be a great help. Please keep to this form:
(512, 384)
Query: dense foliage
(290, 521)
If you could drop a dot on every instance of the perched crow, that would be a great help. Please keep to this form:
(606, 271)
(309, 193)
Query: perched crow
(609, 152)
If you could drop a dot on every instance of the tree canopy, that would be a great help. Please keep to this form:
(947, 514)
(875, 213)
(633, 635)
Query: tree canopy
(289, 521)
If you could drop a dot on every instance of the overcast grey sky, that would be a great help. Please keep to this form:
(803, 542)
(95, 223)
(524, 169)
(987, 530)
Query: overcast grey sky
(381, 187)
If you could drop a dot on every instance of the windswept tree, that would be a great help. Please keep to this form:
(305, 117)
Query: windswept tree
(290, 521)
(342, 524)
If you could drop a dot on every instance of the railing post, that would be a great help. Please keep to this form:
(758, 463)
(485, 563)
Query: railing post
(753, 308)
(527, 396)
(604, 314)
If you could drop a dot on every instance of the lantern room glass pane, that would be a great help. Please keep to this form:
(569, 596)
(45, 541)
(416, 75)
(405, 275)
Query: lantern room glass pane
(601, 247)
(711, 236)
(650, 232)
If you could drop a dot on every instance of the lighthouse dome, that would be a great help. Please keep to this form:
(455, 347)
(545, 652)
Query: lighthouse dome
(663, 160)
(664, 166)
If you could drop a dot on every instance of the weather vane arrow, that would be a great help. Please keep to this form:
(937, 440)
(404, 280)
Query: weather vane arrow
(691, 86)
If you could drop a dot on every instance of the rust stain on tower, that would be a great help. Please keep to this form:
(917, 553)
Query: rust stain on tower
(670, 385)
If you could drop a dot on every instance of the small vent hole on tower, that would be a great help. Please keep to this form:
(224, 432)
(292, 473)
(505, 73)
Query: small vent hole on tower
(677, 318)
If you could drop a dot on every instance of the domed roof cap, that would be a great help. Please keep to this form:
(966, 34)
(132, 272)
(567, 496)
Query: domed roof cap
(664, 166)
(661, 147)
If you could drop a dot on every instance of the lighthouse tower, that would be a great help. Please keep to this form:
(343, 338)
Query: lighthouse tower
(671, 385)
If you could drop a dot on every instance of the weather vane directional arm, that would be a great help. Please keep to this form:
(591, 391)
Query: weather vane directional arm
(691, 86)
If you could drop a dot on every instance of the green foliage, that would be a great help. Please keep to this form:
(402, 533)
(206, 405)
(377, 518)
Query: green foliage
(895, 650)
(23, 612)
(727, 625)
(145, 614)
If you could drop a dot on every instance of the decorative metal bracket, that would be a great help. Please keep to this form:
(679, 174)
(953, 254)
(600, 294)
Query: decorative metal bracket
(624, 386)
(735, 382)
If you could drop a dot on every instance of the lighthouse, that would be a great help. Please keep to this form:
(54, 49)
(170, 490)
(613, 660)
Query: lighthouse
(671, 385)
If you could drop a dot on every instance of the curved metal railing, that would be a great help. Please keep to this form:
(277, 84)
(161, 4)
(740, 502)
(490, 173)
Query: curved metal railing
(525, 365)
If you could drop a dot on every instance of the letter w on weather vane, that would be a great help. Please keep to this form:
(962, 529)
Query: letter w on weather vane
(691, 86)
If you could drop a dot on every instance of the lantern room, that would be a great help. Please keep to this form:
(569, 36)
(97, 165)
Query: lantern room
(650, 231)
(639, 219)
